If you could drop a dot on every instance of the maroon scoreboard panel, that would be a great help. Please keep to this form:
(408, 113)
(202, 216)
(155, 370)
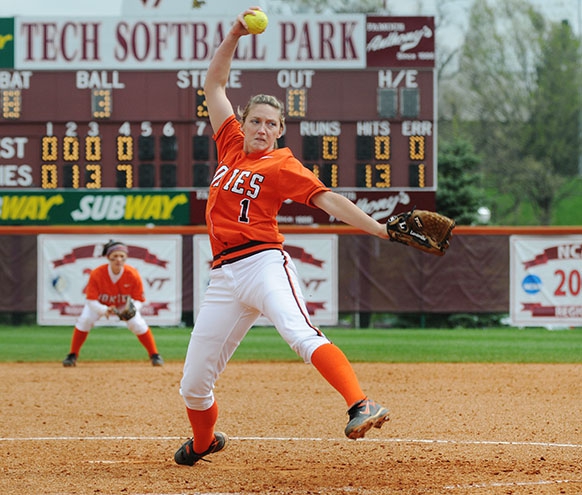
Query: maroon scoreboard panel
(370, 127)
(111, 129)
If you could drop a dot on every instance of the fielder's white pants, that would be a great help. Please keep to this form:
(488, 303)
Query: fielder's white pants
(89, 317)
(238, 293)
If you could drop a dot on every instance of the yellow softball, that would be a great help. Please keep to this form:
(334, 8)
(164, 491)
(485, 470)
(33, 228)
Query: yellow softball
(256, 23)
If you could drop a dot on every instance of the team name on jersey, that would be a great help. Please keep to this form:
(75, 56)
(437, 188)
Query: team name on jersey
(243, 182)
(109, 299)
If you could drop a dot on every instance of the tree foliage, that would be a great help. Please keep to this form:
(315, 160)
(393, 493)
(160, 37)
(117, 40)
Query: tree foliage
(459, 195)
(498, 75)
(553, 126)
(522, 104)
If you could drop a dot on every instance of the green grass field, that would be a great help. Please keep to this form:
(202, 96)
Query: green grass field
(508, 345)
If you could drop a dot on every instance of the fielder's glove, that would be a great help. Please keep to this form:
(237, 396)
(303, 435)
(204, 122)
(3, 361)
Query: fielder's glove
(126, 312)
(421, 229)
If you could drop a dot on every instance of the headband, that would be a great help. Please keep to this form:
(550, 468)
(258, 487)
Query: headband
(118, 246)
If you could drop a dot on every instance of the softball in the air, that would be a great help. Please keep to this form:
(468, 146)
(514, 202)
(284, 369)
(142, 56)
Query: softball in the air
(256, 23)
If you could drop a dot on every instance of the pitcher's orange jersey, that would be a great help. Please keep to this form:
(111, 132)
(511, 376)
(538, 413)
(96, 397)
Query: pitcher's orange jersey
(101, 288)
(247, 191)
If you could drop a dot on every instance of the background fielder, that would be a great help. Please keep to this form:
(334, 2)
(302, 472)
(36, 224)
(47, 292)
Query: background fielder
(111, 286)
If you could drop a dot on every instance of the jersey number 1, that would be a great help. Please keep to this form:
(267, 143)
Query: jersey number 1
(244, 210)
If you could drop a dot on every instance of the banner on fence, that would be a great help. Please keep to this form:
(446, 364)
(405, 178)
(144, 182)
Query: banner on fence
(91, 207)
(316, 259)
(546, 280)
(65, 262)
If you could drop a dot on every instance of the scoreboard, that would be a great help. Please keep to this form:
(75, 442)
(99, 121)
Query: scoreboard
(86, 106)
(111, 129)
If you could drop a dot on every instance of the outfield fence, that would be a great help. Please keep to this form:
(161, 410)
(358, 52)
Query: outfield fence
(374, 275)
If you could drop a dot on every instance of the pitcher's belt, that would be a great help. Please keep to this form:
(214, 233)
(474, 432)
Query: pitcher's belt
(242, 251)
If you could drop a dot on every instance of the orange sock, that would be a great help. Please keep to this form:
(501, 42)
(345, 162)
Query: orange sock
(203, 426)
(334, 366)
(78, 340)
(148, 341)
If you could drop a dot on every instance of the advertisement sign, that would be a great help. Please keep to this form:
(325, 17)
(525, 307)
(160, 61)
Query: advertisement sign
(65, 262)
(315, 257)
(169, 207)
(7, 43)
(379, 204)
(546, 280)
(400, 41)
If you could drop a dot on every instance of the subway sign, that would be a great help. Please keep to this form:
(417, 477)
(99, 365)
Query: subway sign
(94, 207)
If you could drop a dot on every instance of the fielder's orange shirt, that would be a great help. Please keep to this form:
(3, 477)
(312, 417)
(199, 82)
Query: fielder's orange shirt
(101, 288)
(247, 191)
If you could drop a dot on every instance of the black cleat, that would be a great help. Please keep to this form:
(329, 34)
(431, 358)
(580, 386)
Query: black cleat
(70, 360)
(186, 456)
(156, 360)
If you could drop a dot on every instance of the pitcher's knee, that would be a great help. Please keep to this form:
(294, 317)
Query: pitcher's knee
(196, 401)
(306, 347)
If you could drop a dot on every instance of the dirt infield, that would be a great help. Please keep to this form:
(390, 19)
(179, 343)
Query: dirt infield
(112, 428)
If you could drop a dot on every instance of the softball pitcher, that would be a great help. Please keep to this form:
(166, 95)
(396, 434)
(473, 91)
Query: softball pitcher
(251, 273)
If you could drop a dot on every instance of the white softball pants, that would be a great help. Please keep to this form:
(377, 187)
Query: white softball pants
(238, 293)
(89, 317)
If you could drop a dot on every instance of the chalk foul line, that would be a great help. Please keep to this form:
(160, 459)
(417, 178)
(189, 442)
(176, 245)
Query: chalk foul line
(106, 438)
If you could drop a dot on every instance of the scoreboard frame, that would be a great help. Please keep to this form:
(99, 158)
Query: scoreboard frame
(369, 126)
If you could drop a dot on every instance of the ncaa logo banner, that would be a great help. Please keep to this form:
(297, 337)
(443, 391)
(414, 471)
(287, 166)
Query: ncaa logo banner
(546, 281)
(7, 43)
(315, 257)
(65, 262)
